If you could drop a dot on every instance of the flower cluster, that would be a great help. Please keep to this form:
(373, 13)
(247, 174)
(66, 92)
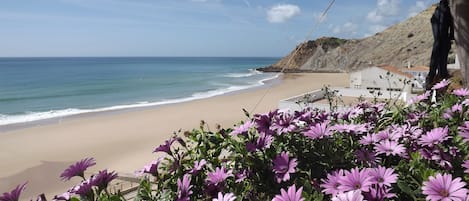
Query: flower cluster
(373, 183)
(370, 151)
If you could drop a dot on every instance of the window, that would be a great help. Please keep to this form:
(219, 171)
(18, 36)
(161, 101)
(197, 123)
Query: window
(393, 89)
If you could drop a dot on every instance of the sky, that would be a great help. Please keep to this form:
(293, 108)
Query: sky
(270, 28)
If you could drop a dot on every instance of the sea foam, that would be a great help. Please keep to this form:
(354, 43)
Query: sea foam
(251, 72)
(36, 116)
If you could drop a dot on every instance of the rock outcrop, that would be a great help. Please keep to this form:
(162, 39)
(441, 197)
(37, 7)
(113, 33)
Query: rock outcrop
(294, 61)
(407, 42)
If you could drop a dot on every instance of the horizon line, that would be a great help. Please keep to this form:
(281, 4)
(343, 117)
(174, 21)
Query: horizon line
(7, 57)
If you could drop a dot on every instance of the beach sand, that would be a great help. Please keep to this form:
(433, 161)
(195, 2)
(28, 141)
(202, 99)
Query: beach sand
(124, 141)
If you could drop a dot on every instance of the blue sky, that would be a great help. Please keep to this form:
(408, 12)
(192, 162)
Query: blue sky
(186, 27)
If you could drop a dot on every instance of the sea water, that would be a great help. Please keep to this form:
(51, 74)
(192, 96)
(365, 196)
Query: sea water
(34, 89)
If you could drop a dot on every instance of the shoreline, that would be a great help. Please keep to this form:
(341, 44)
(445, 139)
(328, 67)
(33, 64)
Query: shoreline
(116, 109)
(124, 141)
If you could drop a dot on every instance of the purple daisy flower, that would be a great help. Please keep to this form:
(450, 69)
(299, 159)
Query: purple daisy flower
(103, 178)
(426, 152)
(349, 196)
(264, 122)
(184, 188)
(444, 83)
(151, 168)
(242, 129)
(198, 165)
(77, 169)
(85, 189)
(64, 196)
(414, 132)
(14, 195)
(331, 184)
(415, 116)
(318, 131)
(355, 112)
(419, 98)
(351, 128)
(305, 115)
(438, 155)
(466, 166)
(447, 114)
(465, 102)
(444, 187)
(226, 197)
(383, 176)
(464, 131)
(166, 147)
(389, 134)
(283, 123)
(369, 139)
(388, 148)
(219, 176)
(264, 141)
(461, 92)
(366, 156)
(321, 116)
(241, 176)
(379, 193)
(356, 180)
(290, 195)
(283, 166)
(456, 108)
(435, 136)
(251, 147)
(40, 197)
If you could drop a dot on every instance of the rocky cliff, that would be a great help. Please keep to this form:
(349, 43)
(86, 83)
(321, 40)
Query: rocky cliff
(408, 41)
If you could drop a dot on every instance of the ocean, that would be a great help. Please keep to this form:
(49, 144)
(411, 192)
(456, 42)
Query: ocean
(34, 89)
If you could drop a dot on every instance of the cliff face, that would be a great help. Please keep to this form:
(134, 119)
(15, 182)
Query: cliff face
(409, 41)
(304, 52)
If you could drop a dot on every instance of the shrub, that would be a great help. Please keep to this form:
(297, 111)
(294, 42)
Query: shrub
(371, 151)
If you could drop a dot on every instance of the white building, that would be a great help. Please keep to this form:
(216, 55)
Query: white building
(419, 74)
(385, 78)
(391, 82)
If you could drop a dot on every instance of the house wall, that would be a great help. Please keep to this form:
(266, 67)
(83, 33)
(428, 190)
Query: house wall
(293, 104)
(355, 80)
(371, 79)
(366, 94)
(297, 103)
(419, 78)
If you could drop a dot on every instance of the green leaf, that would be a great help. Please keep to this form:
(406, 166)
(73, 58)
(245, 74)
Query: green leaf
(307, 187)
(406, 189)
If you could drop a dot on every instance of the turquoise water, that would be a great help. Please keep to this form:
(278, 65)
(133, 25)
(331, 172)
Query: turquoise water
(40, 88)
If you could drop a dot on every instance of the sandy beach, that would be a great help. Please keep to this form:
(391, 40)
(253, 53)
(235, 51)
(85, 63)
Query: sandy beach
(124, 141)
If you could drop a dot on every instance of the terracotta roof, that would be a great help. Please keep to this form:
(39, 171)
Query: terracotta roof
(417, 69)
(396, 70)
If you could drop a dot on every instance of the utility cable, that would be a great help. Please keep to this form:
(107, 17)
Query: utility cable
(310, 33)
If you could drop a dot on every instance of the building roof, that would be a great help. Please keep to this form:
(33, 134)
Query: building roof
(396, 70)
(416, 69)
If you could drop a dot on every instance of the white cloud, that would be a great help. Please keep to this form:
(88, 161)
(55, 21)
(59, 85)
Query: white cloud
(389, 7)
(417, 8)
(384, 8)
(376, 28)
(348, 28)
(374, 17)
(282, 12)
